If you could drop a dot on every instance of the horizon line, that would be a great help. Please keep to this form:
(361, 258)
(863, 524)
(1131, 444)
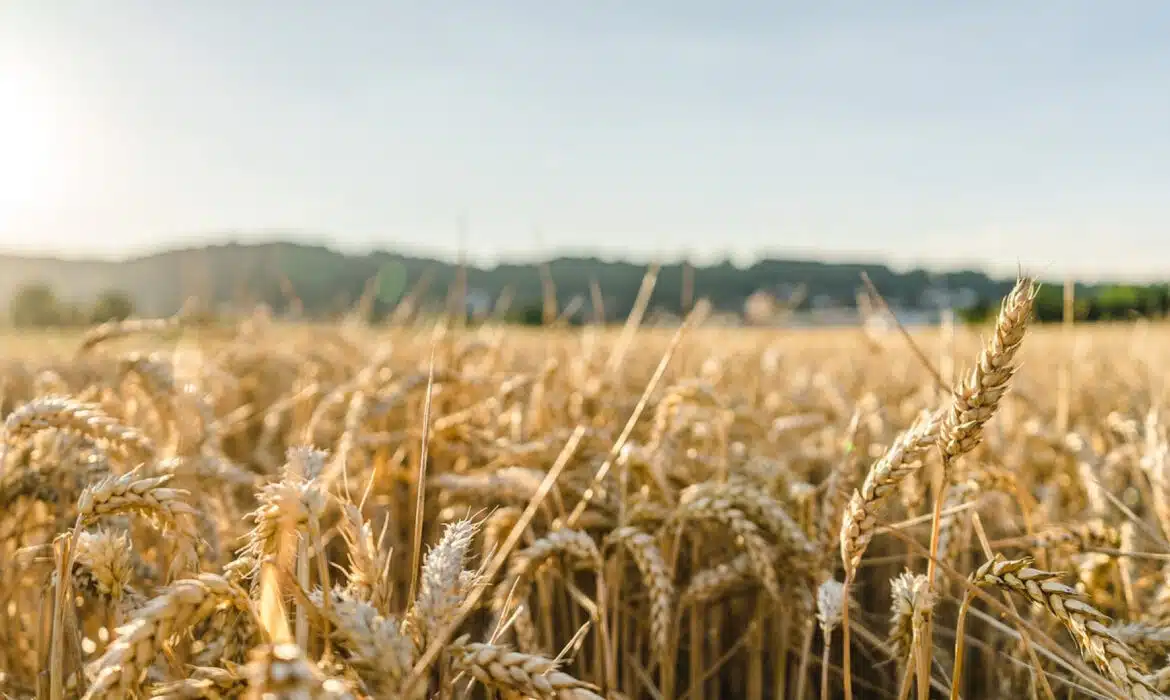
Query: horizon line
(549, 254)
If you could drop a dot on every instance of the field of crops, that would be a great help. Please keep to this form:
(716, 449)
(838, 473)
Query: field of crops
(273, 512)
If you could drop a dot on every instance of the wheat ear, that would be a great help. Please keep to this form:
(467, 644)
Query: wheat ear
(762, 509)
(911, 601)
(576, 545)
(282, 671)
(501, 669)
(80, 418)
(182, 605)
(443, 583)
(1087, 625)
(375, 645)
(655, 576)
(903, 458)
(150, 498)
(976, 399)
(747, 535)
(204, 683)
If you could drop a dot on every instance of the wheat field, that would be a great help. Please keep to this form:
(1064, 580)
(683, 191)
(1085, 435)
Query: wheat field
(265, 511)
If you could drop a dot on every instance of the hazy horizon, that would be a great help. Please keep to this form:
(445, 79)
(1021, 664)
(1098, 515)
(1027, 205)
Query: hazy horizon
(984, 136)
(527, 258)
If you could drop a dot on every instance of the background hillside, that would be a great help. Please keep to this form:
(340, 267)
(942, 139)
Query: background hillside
(319, 282)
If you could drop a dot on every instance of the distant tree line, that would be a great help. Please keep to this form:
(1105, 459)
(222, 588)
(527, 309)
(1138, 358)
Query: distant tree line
(318, 282)
(315, 282)
(37, 305)
(1116, 302)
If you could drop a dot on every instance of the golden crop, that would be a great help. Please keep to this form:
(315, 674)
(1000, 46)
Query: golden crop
(300, 512)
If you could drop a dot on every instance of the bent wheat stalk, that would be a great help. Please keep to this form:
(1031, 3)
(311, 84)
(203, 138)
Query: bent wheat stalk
(1087, 625)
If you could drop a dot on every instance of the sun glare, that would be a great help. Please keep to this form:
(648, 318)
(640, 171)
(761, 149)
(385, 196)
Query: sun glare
(28, 121)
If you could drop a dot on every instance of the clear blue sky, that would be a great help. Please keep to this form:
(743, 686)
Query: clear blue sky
(915, 132)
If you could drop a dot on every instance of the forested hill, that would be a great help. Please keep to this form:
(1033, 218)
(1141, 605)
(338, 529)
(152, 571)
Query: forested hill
(326, 281)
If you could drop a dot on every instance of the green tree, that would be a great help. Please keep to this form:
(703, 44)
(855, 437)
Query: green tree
(981, 312)
(1118, 302)
(112, 305)
(35, 305)
(1049, 305)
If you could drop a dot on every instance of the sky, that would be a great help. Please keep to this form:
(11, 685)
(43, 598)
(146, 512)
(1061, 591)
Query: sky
(992, 134)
